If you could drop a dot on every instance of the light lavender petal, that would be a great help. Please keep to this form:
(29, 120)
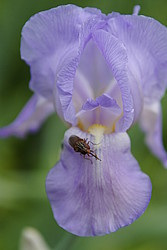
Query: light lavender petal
(66, 77)
(48, 39)
(99, 198)
(30, 119)
(51, 46)
(94, 68)
(115, 54)
(151, 123)
(145, 41)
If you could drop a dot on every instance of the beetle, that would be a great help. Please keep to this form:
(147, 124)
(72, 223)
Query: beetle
(82, 146)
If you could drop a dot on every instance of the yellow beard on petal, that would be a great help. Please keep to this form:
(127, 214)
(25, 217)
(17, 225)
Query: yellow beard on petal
(98, 131)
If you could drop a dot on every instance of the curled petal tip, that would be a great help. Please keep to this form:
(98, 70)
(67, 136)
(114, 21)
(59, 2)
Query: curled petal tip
(30, 118)
(165, 163)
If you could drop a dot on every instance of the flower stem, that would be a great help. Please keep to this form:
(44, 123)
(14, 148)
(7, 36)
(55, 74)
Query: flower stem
(66, 242)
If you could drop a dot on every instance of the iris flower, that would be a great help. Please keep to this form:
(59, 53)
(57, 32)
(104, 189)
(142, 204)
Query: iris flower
(101, 74)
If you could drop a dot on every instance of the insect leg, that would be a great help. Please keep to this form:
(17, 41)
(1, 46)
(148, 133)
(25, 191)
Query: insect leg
(93, 143)
(88, 159)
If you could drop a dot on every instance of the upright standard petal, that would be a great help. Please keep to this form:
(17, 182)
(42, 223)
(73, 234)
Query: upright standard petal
(30, 118)
(50, 45)
(151, 123)
(91, 197)
(115, 55)
(68, 72)
(48, 39)
(145, 41)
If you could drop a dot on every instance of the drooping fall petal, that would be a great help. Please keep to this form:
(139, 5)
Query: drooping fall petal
(30, 118)
(91, 197)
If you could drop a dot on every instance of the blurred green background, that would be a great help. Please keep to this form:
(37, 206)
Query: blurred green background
(24, 164)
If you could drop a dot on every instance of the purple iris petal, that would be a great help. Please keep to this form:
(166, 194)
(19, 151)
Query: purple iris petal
(66, 76)
(94, 68)
(115, 54)
(90, 105)
(146, 46)
(145, 41)
(106, 101)
(103, 101)
(30, 118)
(82, 91)
(93, 77)
(96, 199)
(50, 45)
(45, 47)
(151, 123)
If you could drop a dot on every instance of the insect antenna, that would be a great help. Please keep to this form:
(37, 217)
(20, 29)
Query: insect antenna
(94, 155)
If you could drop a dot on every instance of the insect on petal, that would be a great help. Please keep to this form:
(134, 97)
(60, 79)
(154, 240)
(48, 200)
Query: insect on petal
(96, 199)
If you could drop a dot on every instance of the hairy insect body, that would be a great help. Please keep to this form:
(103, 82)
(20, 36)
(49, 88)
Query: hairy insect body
(82, 146)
